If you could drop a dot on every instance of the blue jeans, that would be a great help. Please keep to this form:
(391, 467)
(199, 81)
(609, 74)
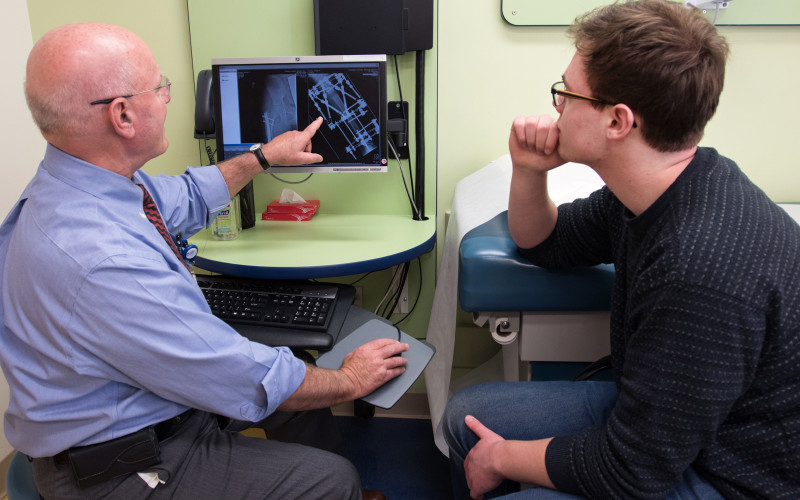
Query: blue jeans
(536, 410)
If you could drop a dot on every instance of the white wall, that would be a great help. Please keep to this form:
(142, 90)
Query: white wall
(23, 146)
(21, 143)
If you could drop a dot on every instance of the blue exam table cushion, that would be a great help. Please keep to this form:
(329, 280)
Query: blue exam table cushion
(493, 276)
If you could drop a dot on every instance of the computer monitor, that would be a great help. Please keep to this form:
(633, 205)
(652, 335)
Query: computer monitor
(257, 99)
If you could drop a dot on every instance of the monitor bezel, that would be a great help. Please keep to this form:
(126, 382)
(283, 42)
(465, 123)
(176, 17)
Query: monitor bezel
(216, 64)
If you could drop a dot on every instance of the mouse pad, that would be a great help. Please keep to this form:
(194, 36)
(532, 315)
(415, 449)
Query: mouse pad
(419, 354)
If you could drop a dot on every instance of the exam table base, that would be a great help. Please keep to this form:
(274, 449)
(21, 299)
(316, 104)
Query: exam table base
(581, 336)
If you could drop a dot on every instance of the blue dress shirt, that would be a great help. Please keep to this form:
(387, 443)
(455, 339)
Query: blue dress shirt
(104, 329)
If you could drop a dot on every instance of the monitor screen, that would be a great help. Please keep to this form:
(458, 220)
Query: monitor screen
(258, 99)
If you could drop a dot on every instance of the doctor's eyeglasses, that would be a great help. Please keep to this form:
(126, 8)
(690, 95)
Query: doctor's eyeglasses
(165, 84)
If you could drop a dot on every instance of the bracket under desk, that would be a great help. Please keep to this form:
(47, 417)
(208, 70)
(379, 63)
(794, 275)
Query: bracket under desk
(328, 245)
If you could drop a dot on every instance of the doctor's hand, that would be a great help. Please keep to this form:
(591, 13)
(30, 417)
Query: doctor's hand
(533, 143)
(293, 147)
(373, 364)
(481, 474)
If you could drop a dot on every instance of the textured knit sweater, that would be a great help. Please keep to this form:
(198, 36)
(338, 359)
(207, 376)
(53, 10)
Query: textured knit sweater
(705, 339)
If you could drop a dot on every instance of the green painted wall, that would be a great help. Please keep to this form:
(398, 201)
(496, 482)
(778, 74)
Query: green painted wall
(163, 25)
(494, 71)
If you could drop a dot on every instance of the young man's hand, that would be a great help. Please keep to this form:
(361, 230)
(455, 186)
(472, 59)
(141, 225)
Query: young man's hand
(533, 143)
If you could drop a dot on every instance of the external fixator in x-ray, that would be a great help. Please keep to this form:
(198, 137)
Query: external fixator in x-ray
(345, 111)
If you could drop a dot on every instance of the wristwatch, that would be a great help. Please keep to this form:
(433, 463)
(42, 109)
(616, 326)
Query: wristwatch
(256, 150)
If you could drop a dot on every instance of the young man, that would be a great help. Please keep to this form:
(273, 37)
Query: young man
(705, 313)
(108, 345)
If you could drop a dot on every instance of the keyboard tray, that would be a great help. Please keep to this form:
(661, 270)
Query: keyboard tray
(333, 300)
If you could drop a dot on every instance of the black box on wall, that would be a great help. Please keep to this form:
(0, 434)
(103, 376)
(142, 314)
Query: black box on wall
(372, 26)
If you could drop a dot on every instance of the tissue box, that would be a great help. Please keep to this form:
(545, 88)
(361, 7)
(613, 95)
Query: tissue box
(290, 211)
(306, 207)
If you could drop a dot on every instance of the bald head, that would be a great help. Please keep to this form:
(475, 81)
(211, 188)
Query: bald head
(74, 64)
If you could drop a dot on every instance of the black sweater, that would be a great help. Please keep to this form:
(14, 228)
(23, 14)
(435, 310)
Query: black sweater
(705, 339)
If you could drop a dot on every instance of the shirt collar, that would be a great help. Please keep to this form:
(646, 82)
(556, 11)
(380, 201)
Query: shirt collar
(87, 177)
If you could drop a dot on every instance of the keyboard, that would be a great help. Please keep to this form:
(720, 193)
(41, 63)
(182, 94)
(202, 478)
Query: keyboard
(299, 314)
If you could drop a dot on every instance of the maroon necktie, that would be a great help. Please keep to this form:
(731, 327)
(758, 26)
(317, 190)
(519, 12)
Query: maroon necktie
(153, 215)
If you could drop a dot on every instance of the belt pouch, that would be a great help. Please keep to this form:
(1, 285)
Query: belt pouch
(96, 463)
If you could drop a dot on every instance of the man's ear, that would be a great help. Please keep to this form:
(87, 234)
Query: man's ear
(622, 121)
(122, 118)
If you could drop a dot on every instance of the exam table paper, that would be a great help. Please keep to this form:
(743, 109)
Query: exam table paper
(478, 198)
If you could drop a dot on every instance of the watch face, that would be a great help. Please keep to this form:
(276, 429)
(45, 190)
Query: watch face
(255, 146)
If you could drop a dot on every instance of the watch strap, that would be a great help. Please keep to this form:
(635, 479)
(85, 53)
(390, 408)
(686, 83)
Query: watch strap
(261, 158)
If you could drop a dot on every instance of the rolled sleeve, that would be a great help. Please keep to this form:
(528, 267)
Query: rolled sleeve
(285, 375)
(212, 186)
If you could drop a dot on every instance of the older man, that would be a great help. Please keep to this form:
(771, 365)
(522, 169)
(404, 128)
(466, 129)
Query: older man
(122, 382)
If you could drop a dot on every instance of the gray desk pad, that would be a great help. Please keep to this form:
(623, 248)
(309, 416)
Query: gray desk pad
(419, 355)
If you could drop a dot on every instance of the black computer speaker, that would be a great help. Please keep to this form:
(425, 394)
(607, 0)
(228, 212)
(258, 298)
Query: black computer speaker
(372, 26)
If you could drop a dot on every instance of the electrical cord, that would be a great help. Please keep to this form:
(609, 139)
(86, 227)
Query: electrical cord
(403, 110)
(393, 294)
(361, 278)
(403, 175)
(416, 299)
(212, 153)
(386, 295)
(291, 182)
(399, 87)
(380, 309)
(398, 291)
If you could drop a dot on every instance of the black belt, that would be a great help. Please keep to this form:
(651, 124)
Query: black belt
(163, 430)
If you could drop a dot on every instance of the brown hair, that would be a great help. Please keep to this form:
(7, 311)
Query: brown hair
(663, 60)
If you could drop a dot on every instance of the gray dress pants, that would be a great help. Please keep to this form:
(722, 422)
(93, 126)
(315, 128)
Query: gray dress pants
(205, 461)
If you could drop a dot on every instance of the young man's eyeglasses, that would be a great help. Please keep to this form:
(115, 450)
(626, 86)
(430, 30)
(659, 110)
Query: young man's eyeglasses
(560, 93)
(165, 84)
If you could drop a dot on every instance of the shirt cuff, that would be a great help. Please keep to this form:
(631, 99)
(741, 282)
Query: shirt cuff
(283, 378)
(557, 463)
(212, 187)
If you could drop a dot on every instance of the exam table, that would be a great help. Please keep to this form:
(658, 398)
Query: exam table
(534, 313)
(562, 317)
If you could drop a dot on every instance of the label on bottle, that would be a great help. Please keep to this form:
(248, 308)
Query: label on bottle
(228, 223)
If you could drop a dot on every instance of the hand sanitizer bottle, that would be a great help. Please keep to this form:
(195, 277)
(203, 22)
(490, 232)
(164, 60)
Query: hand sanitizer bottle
(228, 223)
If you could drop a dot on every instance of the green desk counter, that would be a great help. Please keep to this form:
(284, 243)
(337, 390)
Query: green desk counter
(326, 246)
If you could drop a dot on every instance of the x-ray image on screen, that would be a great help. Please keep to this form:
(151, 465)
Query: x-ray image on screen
(258, 99)
(347, 114)
(273, 105)
(280, 111)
